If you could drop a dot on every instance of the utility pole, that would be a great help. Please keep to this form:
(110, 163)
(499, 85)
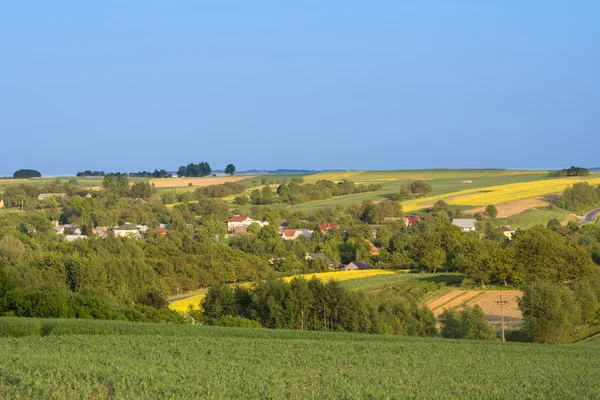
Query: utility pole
(502, 303)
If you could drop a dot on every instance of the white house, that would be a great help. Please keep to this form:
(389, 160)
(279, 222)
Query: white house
(465, 224)
(126, 230)
(242, 220)
(291, 234)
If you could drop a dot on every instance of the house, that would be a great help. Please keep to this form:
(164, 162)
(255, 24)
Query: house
(101, 231)
(72, 238)
(356, 265)
(320, 256)
(508, 232)
(409, 221)
(291, 234)
(1, 203)
(241, 229)
(374, 250)
(60, 229)
(126, 230)
(44, 196)
(237, 221)
(242, 220)
(88, 195)
(161, 230)
(326, 227)
(465, 224)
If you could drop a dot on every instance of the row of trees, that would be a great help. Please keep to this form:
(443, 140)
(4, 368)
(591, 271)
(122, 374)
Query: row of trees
(195, 170)
(580, 197)
(87, 172)
(314, 305)
(573, 171)
(294, 193)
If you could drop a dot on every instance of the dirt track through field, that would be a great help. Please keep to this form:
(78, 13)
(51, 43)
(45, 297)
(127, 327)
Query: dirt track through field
(514, 207)
(197, 182)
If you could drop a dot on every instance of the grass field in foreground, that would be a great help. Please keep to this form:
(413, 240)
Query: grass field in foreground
(197, 296)
(134, 360)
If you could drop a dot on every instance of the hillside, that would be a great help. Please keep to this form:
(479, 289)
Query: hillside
(132, 360)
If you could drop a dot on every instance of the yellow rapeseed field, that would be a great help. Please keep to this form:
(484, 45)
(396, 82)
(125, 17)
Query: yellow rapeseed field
(194, 301)
(499, 194)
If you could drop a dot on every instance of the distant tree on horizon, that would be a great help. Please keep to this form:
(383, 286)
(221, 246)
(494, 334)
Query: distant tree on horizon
(26, 174)
(230, 169)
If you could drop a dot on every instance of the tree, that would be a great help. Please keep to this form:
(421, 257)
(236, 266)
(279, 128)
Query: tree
(117, 184)
(549, 312)
(230, 169)
(219, 301)
(491, 211)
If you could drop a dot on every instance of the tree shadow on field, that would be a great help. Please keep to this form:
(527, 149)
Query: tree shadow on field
(448, 279)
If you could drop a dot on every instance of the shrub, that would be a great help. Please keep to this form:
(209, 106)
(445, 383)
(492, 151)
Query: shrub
(467, 324)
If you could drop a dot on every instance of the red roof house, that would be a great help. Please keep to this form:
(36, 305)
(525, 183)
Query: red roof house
(161, 230)
(374, 250)
(325, 227)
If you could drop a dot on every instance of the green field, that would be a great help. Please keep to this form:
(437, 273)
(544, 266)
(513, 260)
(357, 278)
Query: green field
(83, 182)
(107, 359)
(533, 217)
(380, 281)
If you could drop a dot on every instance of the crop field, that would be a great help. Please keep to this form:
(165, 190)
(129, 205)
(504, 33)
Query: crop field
(110, 360)
(533, 217)
(487, 300)
(424, 174)
(197, 182)
(441, 187)
(499, 194)
(81, 181)
(196, 297)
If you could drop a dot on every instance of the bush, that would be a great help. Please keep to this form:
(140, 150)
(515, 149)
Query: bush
(467, 324)
(236, 322)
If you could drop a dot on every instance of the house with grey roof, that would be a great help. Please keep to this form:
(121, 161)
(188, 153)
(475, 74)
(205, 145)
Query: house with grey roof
(465, 224)
(355, 265)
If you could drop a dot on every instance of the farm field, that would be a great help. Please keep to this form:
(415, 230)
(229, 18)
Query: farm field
(441, 188)
(499, 194)
(486, 299)
(182, 301)
(197, 182)
(532, 217)
(106, 359)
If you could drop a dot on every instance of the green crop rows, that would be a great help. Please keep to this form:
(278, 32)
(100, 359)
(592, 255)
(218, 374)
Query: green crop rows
(129, 360)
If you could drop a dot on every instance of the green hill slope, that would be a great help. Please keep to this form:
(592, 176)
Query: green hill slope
(129, 360)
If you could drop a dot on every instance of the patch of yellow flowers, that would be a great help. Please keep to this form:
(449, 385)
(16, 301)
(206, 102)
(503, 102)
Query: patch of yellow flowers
(194, 301)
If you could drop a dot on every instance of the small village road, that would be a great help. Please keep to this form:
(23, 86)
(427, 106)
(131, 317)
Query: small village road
(590, 217)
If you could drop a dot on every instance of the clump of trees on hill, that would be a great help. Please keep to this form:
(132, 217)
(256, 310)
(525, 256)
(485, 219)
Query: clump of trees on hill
(294, 193)
(580, 197)
(195, 170)
(87, 172)
(26, 174)
(416, 188)
(573, 171)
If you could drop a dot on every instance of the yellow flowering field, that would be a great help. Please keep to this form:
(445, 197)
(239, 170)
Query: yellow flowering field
(194, 301)
(499, 194)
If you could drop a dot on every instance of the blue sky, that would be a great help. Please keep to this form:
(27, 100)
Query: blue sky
(137, 85)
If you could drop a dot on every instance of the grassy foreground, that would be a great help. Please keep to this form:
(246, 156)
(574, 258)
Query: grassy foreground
(105, 359)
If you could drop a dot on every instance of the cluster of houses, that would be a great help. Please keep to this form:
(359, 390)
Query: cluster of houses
(127, 230)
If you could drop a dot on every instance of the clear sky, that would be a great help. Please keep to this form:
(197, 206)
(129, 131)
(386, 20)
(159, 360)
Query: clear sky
(138, 85)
